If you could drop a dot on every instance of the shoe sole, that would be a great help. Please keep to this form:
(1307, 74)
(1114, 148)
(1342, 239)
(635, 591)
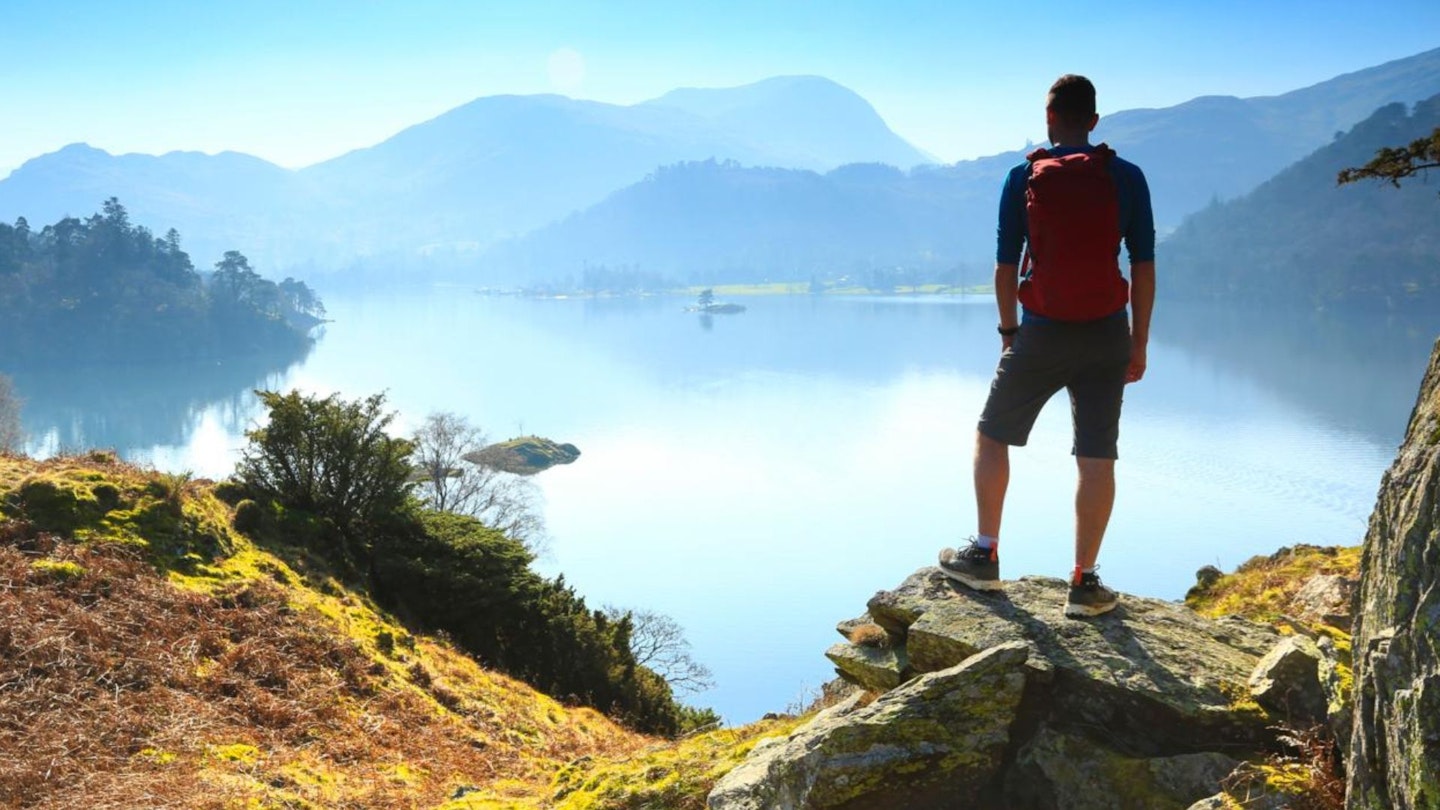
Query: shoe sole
(972, 582)
(1074, 611)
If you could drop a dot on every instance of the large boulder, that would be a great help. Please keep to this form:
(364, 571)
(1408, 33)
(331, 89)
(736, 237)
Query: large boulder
(1327, 599)
(1287, 680)
(934, 742)
(1395, 746)
(1069, 773)
(1158, 678)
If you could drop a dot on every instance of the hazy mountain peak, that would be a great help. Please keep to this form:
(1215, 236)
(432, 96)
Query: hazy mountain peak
(818, 122)
(716, 102)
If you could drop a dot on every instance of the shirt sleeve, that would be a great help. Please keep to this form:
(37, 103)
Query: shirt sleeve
(1010, 233)
(1140, 230)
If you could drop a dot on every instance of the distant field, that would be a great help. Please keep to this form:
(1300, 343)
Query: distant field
(803, 288)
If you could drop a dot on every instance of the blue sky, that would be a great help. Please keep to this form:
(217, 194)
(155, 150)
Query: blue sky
(300, 81)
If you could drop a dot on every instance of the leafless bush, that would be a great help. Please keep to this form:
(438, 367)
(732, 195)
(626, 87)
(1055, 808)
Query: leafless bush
(12, 437)
(449, 483)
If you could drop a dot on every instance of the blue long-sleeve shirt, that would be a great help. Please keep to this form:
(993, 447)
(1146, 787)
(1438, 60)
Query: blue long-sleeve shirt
(1137, 220)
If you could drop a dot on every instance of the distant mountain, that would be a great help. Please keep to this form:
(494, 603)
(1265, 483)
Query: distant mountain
(1300, 239)
(218, 202)
(1218, 147)
(505, 165)
(693, 220)
(495, 167)
(712, 222)
(809, 121)
(436, 196)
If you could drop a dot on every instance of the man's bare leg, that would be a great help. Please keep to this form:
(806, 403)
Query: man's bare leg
(1094, 498)
(992, 478)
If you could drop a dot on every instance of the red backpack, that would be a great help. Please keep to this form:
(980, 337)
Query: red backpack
(1071, 270)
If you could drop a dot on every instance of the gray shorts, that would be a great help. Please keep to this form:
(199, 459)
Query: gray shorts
(1087, 359)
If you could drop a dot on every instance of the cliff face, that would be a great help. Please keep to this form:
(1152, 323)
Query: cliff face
(1395, 745)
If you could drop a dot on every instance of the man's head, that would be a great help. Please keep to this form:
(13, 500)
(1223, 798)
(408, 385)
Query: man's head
(1070, 108)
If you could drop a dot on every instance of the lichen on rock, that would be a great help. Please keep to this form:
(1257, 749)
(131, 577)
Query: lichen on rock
(937, 741)
(1395, 746)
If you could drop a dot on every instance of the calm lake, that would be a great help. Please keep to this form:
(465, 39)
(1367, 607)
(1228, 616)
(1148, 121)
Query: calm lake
(759, 476)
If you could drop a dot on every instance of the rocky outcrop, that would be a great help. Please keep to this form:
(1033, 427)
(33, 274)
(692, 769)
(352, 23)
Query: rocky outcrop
(1287, 680)
(935, 742)
(1148, 707)
(526, 455)
(1327, 599)
(1395, 746)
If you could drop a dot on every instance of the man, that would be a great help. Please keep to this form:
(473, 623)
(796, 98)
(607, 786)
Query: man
(1068, 208)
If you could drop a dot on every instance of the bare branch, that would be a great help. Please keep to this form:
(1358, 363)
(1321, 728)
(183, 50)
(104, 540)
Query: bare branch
(658, 643)
(449, 483)
(12, 437)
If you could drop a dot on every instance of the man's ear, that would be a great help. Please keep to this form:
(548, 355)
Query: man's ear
(1049, 117)
(1094, 119)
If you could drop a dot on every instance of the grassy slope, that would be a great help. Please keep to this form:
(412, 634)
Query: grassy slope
(152, 656)
(1263, 588)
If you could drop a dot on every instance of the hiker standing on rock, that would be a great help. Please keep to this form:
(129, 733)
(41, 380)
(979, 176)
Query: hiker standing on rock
(1065, 211)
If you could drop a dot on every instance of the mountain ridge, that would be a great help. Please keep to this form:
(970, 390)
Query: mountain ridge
(1207, 149)
(435, 195)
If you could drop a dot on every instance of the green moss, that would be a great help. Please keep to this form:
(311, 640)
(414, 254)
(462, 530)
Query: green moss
(249, 516)
(242, 753)
(1290, 779)
(58, 503)
(1242, 702)
(230, 492)
(157, 756)
(1262, 587)
(677, 777)
(59, 570)
(164, 514)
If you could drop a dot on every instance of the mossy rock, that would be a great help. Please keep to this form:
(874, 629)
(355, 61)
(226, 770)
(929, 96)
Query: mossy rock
(937, 741)
(63, 503)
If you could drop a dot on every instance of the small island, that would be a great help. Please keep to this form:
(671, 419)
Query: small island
(524, 455)
(705, 303)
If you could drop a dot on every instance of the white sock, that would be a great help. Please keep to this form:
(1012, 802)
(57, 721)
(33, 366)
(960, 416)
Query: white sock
(985, 541)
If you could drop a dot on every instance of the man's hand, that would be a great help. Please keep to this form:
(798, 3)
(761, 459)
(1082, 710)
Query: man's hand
(1006, 341)
(1136, 369)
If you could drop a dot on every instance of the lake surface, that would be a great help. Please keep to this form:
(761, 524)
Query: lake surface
(759, 476)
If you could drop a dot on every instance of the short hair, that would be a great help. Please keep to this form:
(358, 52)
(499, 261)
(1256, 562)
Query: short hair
(1072, 99)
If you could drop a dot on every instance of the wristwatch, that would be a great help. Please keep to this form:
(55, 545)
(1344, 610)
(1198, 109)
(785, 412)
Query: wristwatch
(1008, 331)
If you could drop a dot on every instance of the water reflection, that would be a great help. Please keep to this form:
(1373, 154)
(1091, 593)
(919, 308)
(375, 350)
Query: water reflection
(814, 449)
(135, 407)
(1355, 371)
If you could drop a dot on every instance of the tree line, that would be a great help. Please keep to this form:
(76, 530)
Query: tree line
(101, 289)
(1300, 241)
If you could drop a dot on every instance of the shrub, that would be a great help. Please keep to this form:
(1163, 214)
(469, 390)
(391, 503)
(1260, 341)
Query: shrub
(329, 457)
(249, 516)
(229, 491)
(453, 573)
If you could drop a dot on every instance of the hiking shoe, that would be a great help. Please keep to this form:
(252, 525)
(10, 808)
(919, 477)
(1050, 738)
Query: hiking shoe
(972, 566)
(1089, 598)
